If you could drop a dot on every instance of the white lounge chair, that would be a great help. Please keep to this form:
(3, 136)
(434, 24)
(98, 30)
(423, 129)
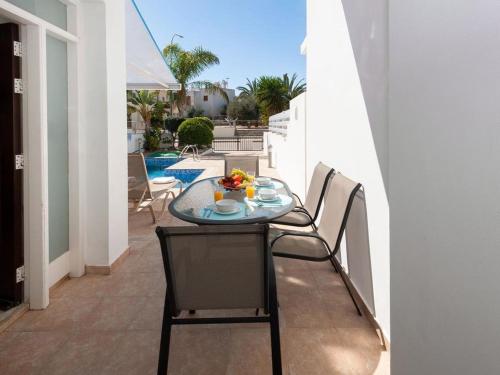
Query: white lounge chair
(143, 192)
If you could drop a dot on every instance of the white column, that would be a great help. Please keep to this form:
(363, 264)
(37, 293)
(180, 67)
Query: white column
(103, 123)
(75, 160)
(117, 128)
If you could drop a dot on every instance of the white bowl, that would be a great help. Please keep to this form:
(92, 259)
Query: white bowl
(226, 205)
(263, 181)
(267, 194)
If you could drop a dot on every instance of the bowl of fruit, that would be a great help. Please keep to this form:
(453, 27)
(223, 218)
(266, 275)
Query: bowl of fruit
(237, 180)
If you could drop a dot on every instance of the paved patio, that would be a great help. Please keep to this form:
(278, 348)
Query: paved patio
(111, 324)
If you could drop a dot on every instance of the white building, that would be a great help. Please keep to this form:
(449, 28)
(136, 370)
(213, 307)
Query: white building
(76, 56)
(212, 104)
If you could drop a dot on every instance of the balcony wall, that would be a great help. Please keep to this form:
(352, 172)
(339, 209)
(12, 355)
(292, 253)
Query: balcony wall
(345, 122)
(287, 137)
(444, 182)
(345, 118)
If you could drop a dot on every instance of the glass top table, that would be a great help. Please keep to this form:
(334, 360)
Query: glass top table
(196, 204)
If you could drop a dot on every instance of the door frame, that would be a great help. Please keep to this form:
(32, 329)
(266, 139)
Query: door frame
(34, 31)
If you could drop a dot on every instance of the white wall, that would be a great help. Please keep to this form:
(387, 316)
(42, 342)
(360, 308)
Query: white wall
(289, 152)
(224, 131)
(339, 131)
(94, 120)
(444, 184)
(117, 132)
(104, 118)
(215, 103)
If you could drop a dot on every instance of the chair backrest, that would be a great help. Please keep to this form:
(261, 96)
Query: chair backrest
(338, 201)
(138, 182)
(244, 162)
(317, 188)
(215, 267)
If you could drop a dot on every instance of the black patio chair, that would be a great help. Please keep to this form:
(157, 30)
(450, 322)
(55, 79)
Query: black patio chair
(324, 243)
(218, 267)
(305, 214)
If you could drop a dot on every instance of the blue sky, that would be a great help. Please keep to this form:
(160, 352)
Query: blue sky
(251, 37)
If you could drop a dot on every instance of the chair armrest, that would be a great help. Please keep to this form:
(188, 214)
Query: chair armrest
(297, 234)
(298, 198)
(302, 210)
(300, 234)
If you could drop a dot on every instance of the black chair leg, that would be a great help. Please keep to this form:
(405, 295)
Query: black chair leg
(166, 328)
(333, 264)
(275, 342)
(350, 294)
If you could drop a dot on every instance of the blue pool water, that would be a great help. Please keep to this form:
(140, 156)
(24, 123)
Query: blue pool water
(161, 162)
(157, 168)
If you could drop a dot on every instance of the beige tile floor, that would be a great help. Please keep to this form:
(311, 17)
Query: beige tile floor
(111, 324)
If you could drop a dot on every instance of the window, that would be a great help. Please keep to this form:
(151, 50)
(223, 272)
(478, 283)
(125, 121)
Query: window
(205, 98)
(53, 11)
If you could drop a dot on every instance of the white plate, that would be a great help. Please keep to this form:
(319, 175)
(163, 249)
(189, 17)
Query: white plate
(276, 198)
(235, 211)
(264, 185)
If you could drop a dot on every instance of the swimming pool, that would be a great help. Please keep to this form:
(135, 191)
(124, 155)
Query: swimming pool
(166, 154)
(157, 167)
(154, 163)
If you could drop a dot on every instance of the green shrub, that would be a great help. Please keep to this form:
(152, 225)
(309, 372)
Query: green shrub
(205, 121)
(194, 112)
(194, 131)
(152, 138)
(158, 114)
(243, 108)
(172, 124)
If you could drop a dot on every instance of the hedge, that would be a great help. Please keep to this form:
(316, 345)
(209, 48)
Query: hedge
(195, 131)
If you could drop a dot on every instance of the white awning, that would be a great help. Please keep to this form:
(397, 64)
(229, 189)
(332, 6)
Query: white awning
(146, 66)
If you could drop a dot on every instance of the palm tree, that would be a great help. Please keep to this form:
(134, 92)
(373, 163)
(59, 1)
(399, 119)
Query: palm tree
(272, 95)
(293, 87)
(186, 66)
(250, 88)
(144, 102)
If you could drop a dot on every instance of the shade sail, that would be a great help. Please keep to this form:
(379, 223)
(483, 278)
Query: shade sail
(146, 67)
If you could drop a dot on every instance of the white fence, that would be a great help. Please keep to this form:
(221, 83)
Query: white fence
(278, 124)
(286, 140)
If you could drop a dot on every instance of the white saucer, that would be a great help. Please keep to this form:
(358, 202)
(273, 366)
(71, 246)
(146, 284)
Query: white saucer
(235, 211)
(264, 185)
(276, 198)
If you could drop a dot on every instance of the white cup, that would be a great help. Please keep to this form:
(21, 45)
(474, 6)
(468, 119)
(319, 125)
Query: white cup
(267, 194)
(225, 205)
(263, 181)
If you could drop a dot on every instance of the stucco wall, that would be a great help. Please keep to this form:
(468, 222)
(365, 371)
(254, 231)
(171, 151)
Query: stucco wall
(103, 80)
(340, 131)
(444, 184)
(289, 153)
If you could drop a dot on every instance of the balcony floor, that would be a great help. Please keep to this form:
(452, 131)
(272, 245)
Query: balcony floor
(111, 324)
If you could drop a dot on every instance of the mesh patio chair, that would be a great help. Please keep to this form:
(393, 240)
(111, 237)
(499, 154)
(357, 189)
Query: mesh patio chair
(218, 267)
(244, 162)
(307, 213)
(142, 192)
(324, 243)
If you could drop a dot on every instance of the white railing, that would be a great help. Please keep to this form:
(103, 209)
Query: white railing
(278, 123)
